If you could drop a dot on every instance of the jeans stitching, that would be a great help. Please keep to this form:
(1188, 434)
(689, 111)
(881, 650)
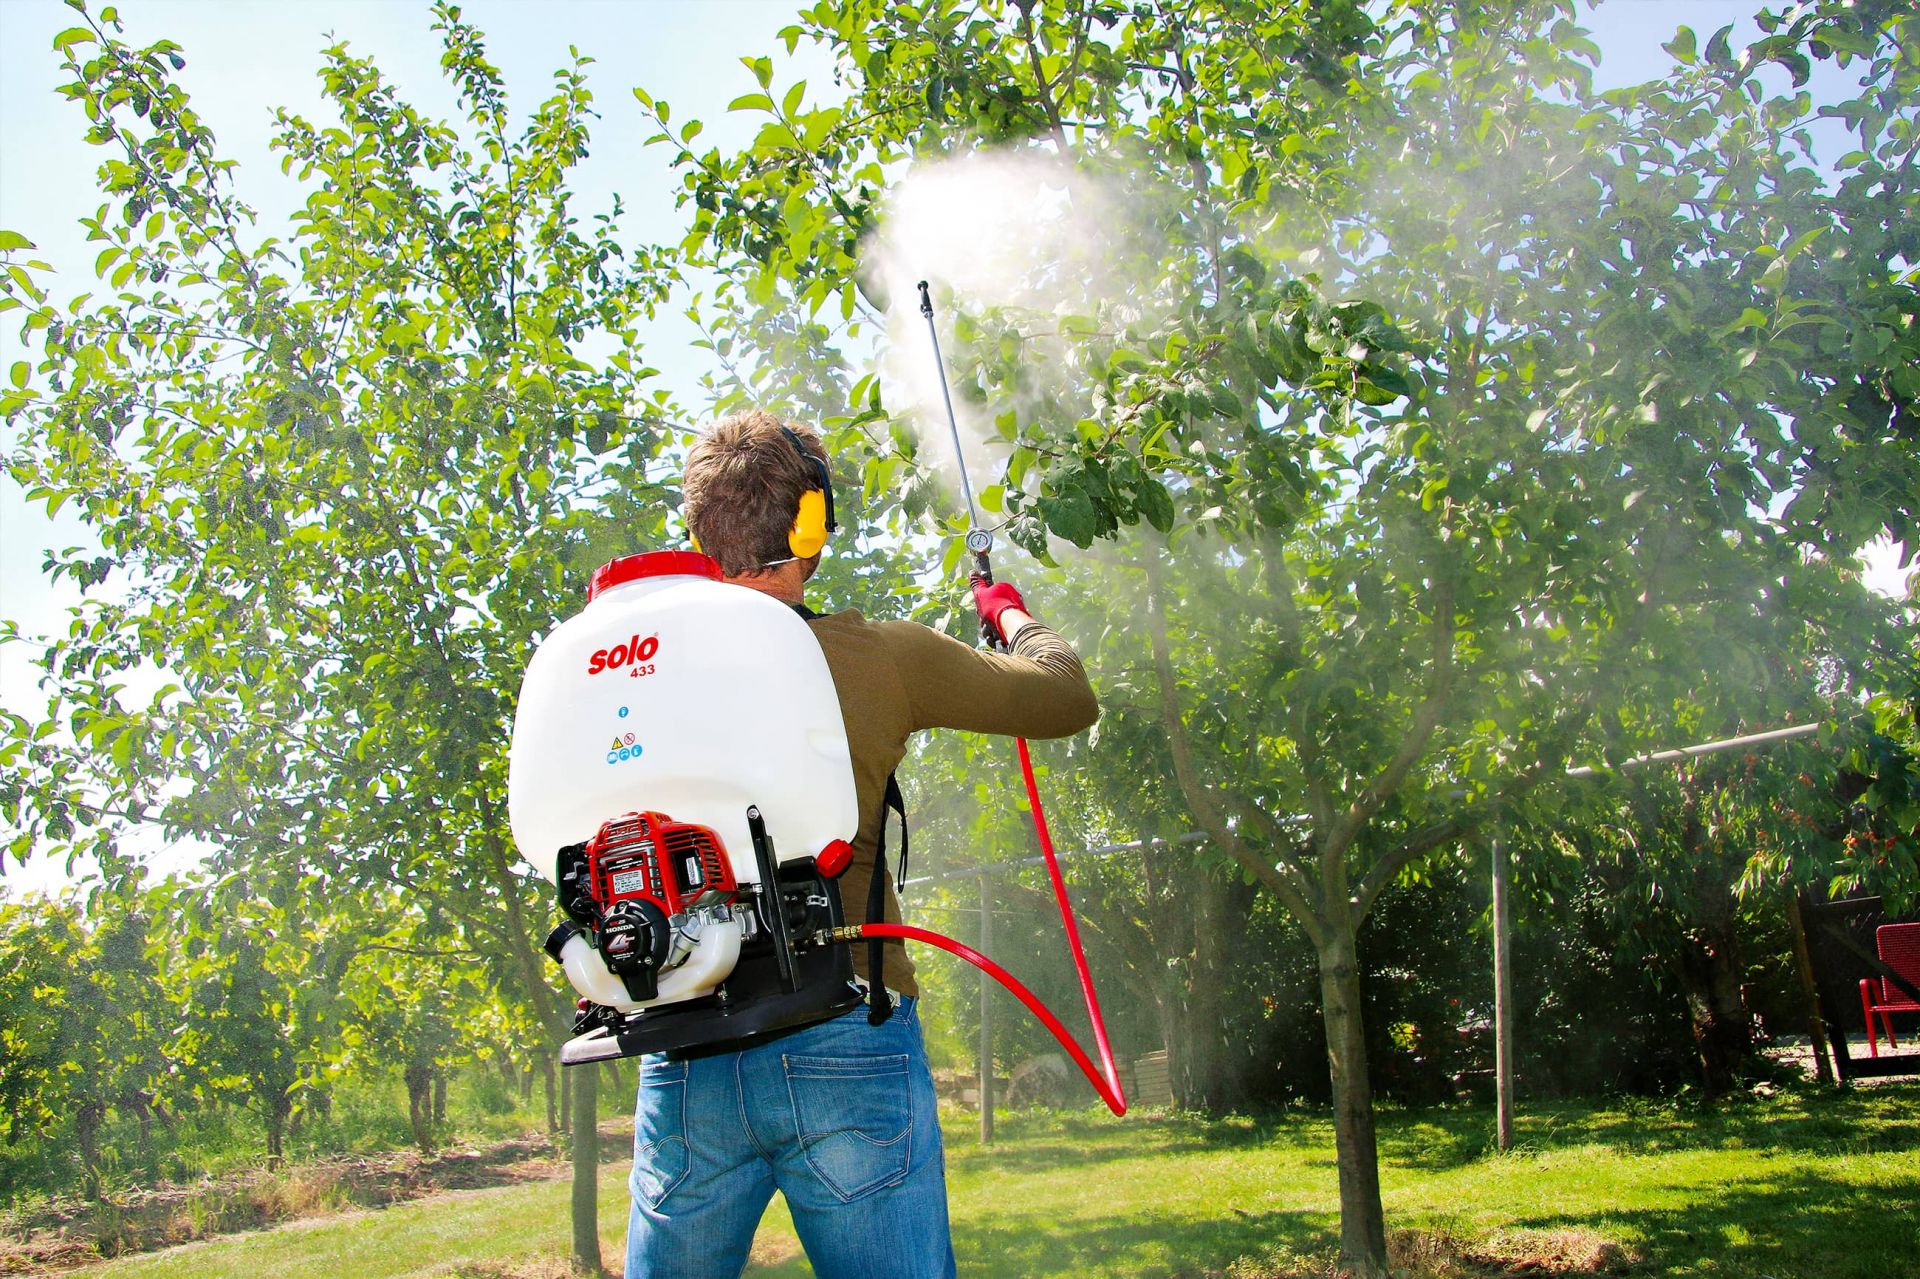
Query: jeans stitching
(800, 1066)
(740, 1107)
(679, 1134)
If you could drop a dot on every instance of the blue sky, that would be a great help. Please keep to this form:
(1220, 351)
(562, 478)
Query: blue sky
(246, 57)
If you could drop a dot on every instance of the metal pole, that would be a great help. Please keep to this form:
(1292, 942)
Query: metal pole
(979, 540)
(986, 1016)
(953, 423)
(1502, 996)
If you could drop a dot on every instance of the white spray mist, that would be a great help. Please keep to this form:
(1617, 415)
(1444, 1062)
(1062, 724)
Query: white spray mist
(1023, 236)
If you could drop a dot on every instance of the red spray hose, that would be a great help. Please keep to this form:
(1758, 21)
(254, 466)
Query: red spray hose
(1105, 1078)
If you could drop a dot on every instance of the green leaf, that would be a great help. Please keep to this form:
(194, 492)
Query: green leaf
(14, 240)
(1071, 515)
(1156, 503)
(1682, 46)
(21, 372)
(1720, 48)
(751, 102)
(1030, 535)
(72, 36)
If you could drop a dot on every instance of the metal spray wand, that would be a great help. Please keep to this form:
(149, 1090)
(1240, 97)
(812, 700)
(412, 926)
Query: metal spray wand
(979, 540)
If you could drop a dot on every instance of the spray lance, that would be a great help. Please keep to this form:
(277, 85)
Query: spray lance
(1105, 1078)
(979, 540)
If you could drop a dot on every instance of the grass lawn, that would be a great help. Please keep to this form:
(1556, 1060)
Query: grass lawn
(1807, 1185)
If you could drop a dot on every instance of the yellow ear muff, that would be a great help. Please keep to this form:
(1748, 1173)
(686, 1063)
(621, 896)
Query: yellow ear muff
(809, 532)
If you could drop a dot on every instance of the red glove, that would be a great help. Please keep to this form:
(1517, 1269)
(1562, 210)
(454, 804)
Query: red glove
(992, 599)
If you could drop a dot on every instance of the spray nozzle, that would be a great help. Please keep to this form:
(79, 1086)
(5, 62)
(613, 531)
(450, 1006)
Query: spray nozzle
(926, 302)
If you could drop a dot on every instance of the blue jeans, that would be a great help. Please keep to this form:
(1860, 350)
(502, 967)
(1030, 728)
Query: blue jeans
(839, 1117)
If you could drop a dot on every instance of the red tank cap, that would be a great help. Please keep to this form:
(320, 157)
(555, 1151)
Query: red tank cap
(631, 568)
(833, 859)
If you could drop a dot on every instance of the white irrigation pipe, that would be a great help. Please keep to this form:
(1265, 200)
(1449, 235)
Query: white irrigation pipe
(1704, 748)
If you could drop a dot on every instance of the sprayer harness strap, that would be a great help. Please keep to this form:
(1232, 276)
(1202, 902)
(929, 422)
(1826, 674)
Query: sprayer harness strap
(879, 1002)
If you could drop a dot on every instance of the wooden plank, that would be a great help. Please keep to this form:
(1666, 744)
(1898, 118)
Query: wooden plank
(1152, 1080)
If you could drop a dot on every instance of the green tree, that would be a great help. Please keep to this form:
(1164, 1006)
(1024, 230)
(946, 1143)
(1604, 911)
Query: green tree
(343, 480)
(84, 1023)
(417, 1009)
(1449, 390)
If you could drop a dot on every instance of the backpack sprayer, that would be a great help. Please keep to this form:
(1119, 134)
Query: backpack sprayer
(679, 772)
(715, 704)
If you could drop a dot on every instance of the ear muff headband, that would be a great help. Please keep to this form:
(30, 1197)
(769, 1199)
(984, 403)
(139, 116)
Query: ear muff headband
(813, 521)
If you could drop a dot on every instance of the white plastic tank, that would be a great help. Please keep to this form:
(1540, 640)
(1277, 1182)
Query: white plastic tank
(674, 692)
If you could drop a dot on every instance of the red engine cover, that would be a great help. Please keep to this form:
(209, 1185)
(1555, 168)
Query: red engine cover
(678, 866)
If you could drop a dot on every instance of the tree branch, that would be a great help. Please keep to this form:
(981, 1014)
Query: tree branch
(1039, 75)
(1425, 721)
(1293, 889)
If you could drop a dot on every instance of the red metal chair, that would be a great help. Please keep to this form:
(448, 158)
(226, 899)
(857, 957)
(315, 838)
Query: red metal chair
(1899, 947)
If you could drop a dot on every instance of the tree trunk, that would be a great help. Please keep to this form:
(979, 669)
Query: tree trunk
(1722, 1027)
(1363, 1229)
(419, 1077)
(86, 1134)
(550, 1085)
(136, 1100)
(439, 1096)
(1710, 968)
(1209, 1075)
(586, 1169)
(276, 1110)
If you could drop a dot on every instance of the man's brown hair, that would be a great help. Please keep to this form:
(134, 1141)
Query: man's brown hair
(742, 489)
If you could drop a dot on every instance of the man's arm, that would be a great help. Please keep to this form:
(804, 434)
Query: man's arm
(1038, 690)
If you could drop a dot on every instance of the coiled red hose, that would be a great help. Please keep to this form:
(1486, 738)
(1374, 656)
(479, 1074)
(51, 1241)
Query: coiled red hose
(1105, 1078)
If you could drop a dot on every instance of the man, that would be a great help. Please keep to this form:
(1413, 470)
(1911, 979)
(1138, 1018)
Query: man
(840, 1116)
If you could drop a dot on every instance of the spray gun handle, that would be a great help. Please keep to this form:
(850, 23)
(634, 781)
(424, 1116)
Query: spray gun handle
(991, 639)
(989, 633)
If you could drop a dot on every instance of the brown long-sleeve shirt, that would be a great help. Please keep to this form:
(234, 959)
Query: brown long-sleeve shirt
(895, 678)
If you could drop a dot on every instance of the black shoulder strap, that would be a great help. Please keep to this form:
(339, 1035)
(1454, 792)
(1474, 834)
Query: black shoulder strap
(879, 1002)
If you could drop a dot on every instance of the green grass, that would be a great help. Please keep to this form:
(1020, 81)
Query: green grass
(1808, 1185)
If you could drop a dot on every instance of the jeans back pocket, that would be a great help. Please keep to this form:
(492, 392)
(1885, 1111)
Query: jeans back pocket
(854, 1116)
